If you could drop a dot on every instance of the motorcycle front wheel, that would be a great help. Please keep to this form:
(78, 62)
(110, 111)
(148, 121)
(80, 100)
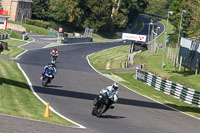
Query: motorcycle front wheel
(45, 81)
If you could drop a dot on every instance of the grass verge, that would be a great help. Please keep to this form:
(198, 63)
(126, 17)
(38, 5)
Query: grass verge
(17, 99)
(13, 48)
(32, 28)
(106, 60)
(153, 62)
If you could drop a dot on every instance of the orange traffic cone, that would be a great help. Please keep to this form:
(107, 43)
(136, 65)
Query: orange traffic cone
(46, 112)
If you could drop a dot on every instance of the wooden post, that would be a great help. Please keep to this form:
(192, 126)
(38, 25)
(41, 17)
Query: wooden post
(177, 60)
(168, 53)
(197, 66)
(184, 63)
(171, 54)
(126, 64)
(174, 59)
(180, 64)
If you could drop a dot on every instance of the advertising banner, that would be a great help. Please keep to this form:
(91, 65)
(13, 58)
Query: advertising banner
(134, 37)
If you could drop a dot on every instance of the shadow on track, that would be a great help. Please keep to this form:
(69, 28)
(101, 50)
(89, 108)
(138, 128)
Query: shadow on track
(112, 117)
(56, 86)
(88, 96)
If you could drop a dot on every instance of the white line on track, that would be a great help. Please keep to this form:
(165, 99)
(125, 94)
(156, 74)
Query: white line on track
(31, 87)
(33, 91)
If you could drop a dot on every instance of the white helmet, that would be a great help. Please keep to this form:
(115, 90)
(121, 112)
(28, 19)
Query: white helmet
(115, 86)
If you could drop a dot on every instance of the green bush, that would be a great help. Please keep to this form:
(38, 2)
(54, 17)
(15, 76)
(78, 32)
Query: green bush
(54, 25)
(39, 23)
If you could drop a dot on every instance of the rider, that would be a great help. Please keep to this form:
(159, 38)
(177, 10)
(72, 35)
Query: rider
(54, 52)
(112, 93)
(50, 70)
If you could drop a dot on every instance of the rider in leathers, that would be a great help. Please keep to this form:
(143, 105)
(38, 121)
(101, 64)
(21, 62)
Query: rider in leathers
(50, 69)
(112, 93)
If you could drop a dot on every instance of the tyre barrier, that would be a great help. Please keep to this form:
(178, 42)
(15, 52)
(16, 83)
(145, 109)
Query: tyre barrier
(3, 45)
(178, 91)
(4, 36)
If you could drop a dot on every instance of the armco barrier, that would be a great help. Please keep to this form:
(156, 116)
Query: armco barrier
(76, 39)
(179, 91)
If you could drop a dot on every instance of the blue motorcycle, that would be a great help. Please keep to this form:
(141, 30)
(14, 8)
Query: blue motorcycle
(48, 75)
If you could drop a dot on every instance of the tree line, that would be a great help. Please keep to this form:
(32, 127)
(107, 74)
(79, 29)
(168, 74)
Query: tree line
(100, 15)
(190, 26)
(115, 15)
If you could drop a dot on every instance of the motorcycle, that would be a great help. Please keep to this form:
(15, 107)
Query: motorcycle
(54, 57)
(102, 104)
(46, 79)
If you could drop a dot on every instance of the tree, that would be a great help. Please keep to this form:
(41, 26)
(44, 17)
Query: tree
(194, 28)
(158, 7)
(40, 9)
(127, 11)
(58, 11)
(75, 13)
(98, 14)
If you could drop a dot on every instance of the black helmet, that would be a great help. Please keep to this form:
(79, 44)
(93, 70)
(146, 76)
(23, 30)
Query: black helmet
(115, 86)
(55, 49)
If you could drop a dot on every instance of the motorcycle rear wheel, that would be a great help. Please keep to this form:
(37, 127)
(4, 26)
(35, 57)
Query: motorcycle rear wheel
(100, 110)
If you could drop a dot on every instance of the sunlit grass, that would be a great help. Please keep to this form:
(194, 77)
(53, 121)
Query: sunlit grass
(17, 99)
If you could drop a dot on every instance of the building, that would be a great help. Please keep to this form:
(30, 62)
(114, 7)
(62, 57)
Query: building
(3, 17)
(18, 10)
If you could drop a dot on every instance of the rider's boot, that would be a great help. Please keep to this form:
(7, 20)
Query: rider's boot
(112, 106)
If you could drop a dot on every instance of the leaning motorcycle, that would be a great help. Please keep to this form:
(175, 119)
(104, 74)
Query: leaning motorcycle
(46, 78)
(102, 104)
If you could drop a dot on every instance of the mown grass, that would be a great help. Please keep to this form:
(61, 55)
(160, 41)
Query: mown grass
(32, 28)
(153, 64)
(13, 48)
(111, 58)
(17, 99)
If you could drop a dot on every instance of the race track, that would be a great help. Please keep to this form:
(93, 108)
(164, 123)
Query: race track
(76, 84)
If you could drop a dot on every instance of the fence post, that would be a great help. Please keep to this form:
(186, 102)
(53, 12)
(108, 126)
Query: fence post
(171, 54)
(180, 64)
(126, 64)
(184, 63)
(197, 66)
(177, 60)
(168, 53)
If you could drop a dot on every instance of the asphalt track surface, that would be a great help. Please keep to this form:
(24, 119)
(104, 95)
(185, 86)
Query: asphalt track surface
(75, 86)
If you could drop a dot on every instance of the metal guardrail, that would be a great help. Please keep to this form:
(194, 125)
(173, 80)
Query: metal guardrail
(179, 91)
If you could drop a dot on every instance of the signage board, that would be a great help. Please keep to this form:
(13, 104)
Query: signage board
(134, 37)
(60, 30)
